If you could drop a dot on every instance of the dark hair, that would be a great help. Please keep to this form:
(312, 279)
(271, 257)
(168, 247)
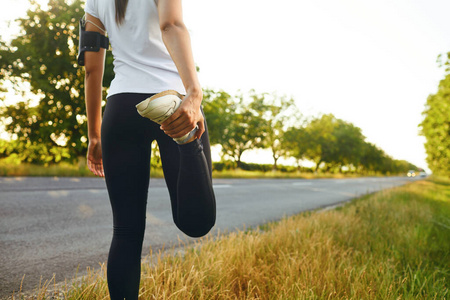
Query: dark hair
(121, 8)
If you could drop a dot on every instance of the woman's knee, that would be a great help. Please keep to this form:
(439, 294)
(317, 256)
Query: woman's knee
(129, 232)
(196, 227)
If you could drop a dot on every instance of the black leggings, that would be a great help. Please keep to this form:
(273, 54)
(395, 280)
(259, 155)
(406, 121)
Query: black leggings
(126, 148)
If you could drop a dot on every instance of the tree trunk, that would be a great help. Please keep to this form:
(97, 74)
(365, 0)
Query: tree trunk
(275, 159)
(317, 166)
(238, 163)
(238, 160)
(299, 167)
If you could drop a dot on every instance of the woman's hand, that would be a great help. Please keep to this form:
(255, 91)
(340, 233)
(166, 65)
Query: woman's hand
(94, 157)
(186, 117)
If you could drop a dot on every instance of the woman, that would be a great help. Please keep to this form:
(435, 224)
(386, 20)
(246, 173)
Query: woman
(152, 54)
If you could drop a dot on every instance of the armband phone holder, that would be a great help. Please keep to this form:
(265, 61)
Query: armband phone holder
(90, 41)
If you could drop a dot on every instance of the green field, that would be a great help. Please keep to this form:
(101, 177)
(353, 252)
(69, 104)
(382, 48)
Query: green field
(394, 244)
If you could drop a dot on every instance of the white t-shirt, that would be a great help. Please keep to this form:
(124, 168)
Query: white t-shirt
(142, 63)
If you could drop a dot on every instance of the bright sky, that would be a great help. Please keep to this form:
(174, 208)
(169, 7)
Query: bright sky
(372, 63)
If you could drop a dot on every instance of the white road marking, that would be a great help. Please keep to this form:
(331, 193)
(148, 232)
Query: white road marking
(301, 183)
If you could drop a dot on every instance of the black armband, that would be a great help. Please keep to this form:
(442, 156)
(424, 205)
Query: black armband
(90, 41)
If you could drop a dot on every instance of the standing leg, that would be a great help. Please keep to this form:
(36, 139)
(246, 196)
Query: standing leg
(187, 169)
(126, 149)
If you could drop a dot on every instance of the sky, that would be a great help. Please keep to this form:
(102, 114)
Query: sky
(371, 63)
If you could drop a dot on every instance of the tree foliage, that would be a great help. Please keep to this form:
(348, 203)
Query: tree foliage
(436, 126)
(243, 131)
(44, 56)
(349, 144)
(247, 122)
(319, 140)
(276, 115)
(272, 122)
(294, 142)
(219, 107)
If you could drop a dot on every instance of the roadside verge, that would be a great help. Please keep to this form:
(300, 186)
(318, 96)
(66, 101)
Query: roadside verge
(391, 244)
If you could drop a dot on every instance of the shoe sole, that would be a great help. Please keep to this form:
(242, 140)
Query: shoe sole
(160, 107)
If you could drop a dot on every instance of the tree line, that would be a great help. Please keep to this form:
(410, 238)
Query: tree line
(268, 121)
(43, 55)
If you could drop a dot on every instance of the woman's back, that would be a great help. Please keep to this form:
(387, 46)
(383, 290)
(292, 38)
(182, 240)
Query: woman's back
(142, 63)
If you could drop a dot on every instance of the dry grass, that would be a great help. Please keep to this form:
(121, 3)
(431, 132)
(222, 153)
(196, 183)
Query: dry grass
(62, 170)
(237, 173)
(391, 245)
(80, 170)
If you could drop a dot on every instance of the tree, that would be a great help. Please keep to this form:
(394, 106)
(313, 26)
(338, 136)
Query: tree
(44, 55)
(436, 127)
(277, 114)
(320, 141)
(219, 108)
(330, 141)
(371, 158)
(294, 141)
(243, 134)
(349, 144)
(233, 123)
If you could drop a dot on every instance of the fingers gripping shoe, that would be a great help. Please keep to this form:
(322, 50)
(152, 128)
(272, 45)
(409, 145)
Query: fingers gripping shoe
(160, 107)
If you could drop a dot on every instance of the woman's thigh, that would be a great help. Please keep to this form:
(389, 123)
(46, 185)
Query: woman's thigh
(170, 158)
(126, 151)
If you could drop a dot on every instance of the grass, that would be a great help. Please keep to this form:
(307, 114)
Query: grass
(81, 170)
(394, 244)
(63, 169)
(60, 170)
(277, 174)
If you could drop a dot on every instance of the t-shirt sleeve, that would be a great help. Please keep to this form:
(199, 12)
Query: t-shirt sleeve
(91, 8)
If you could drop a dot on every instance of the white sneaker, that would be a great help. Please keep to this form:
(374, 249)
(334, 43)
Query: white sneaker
(160, 107)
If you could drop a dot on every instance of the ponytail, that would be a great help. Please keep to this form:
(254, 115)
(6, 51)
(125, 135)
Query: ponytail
(121, 8)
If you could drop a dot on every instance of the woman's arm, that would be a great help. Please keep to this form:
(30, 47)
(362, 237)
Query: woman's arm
(176, 38)
(94, 67)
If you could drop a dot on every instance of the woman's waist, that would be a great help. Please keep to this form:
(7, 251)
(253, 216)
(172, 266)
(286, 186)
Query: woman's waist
(146, 83)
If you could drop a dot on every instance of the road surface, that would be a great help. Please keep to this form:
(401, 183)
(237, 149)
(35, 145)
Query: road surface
(52, 226)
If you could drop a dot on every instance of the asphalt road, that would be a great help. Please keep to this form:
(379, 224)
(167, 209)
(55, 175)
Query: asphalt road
(52, 226)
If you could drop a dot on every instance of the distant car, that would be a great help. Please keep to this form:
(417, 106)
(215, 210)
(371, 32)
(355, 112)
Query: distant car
(423, 174)
(411, 173)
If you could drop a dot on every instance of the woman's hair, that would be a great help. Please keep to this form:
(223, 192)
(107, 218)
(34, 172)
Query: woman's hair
(121, 8)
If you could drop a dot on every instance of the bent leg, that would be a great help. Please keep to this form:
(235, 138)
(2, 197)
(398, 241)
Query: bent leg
(187, 169)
